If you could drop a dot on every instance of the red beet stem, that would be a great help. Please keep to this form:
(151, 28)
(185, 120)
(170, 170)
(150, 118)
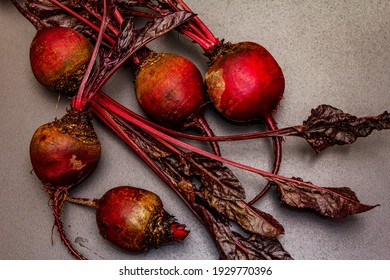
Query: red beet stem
(118, 17)
(277, 144)
(99, 17)
(197, 38)
(82, 98)
(280, 132)
(140, 14)
(288, 131)
(202, 124)
(206, 32)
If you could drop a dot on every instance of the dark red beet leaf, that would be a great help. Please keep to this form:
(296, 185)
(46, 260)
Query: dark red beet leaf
(233, 246)
(328, 126)
(330, 202)
(259, 247)
(248, 217)
(216, 177)
(55, 16)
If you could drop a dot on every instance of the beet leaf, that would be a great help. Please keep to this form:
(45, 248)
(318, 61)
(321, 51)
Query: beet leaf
(216, 177)
(330, 202)
(52, 15)
(328, 126)
(248, 217)
(259, 247)
(233, 246)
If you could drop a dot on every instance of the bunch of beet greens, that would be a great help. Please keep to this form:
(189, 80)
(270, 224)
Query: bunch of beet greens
(219, 200)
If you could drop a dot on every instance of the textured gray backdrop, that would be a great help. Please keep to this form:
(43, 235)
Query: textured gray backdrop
(333, 52)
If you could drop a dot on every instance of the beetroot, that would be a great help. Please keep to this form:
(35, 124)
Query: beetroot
(59, 57)
(244, 81)
(134, 219)
(65, 151)
(170, 89)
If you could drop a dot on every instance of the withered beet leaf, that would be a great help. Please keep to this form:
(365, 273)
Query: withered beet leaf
(248, 217)
(328, 126)
(51, 15)
(216, 177)
(330, 202)
(233, 246)
(260, 247)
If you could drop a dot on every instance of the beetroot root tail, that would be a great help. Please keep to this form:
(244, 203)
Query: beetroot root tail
(58, 198)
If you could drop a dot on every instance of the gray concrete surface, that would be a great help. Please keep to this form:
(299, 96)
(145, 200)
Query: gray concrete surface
(331, 52)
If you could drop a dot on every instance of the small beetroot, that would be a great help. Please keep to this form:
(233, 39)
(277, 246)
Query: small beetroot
(170, 90)
(59, 56)
(133, 218)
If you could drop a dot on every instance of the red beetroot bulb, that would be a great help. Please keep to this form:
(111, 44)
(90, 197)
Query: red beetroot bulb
(170, 89)
(59, 57)
(65, 151)
(244, 81)
(134, 219)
